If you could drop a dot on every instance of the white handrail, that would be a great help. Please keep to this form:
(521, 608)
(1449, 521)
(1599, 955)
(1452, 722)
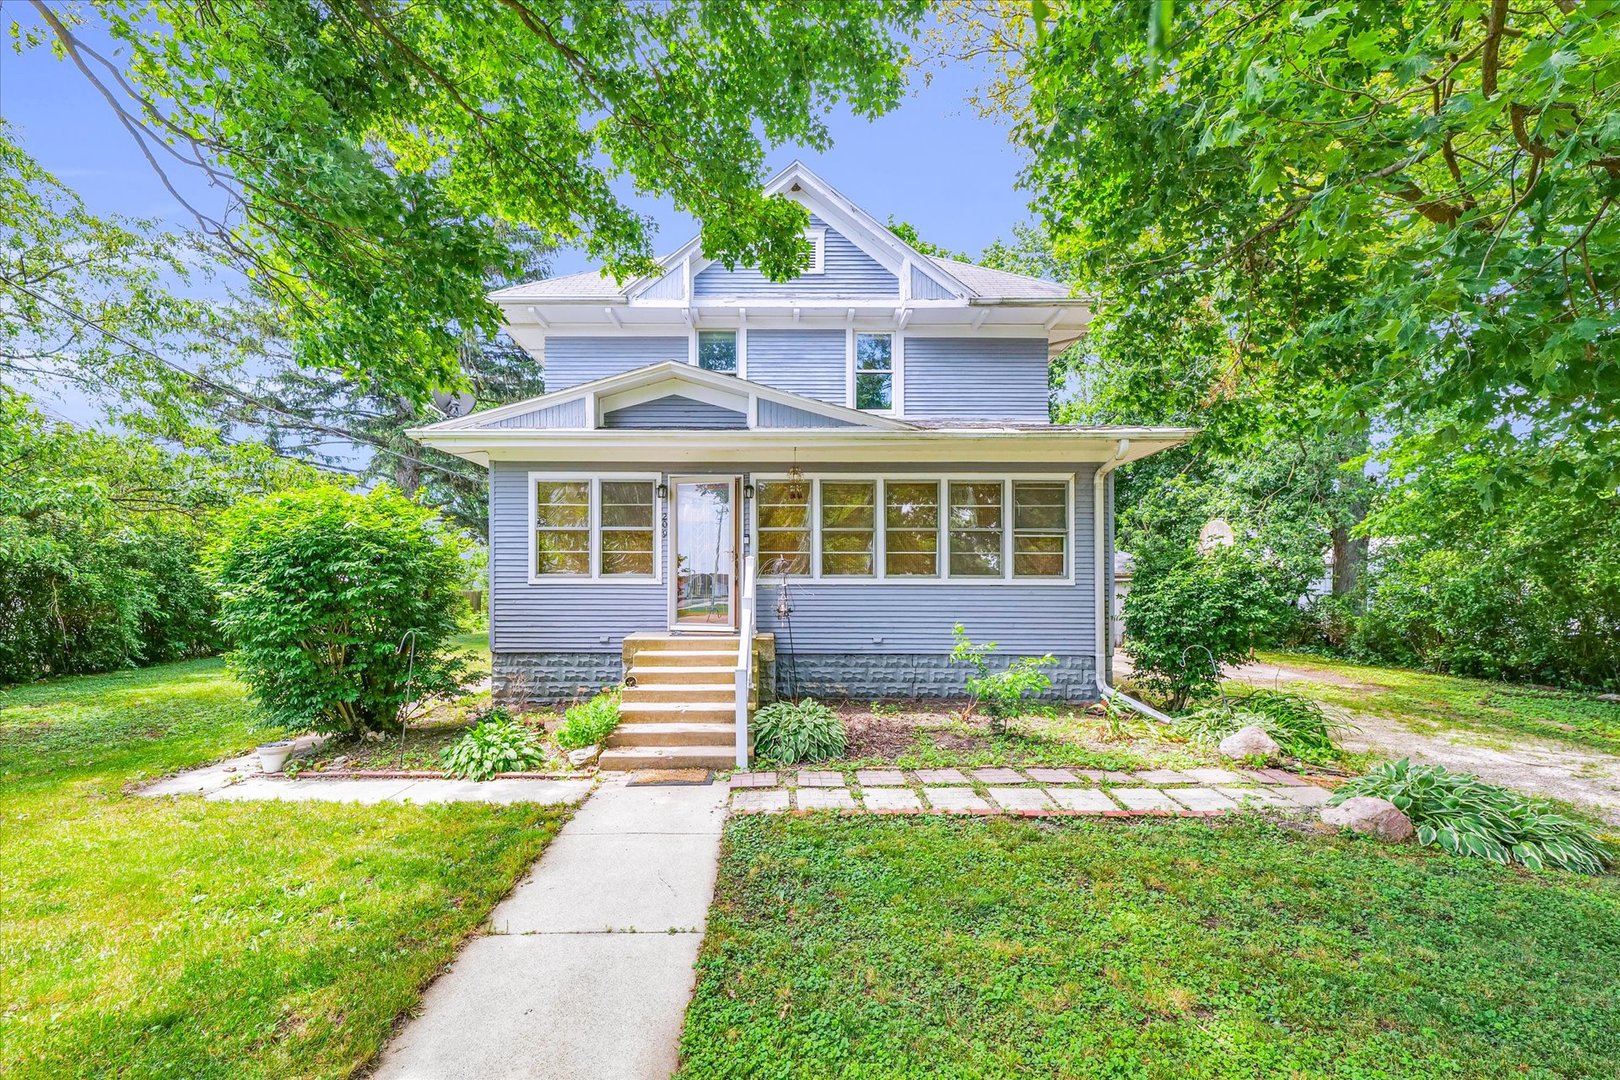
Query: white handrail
(743, 675)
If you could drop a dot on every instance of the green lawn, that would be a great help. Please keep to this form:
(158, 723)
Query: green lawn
(177, 938)
(885, 947)
(1435, 702)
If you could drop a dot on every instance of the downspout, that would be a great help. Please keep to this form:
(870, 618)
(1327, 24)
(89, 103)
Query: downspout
(1099, 547)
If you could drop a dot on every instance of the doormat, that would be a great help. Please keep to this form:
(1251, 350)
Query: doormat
(671, 778)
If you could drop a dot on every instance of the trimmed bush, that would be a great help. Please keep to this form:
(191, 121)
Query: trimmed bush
(589, 723)
(317, 590)
(1463, 815)
(786, 733)
(498, 744)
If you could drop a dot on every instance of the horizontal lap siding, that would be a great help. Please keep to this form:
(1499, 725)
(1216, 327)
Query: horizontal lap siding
(847, 271)
(909, 618)
(807, 362)
(571, 361)
(673, 412)
(979, 378)
(557, 616)
(773, 414)
(924, 287)
(827, 617)
(569, 414)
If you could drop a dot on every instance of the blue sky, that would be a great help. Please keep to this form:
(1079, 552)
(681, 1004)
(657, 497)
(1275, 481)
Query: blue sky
(932, 162)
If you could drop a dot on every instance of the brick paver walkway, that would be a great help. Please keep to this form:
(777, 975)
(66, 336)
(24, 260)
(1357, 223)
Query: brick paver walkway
(1031, 792)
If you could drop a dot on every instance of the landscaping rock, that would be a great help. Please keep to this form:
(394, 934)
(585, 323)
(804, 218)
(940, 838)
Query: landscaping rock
(1372, 816)
(584, 755)
(1609, 699)
(1249, 742)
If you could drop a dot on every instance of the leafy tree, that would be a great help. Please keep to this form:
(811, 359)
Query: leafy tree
(1398, 211)
(339, 607)
(99, 536)
(375, 149)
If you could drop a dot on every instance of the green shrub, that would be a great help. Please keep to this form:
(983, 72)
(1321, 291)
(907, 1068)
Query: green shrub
(317, 590)
(589, 723)
(498, 744)
(1299, 725)
(1002, 694)
(1186, 621)
(1463, 815)
(786, 733)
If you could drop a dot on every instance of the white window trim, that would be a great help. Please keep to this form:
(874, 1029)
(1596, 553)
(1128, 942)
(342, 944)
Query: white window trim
(897, 371)
(742, 348)
(595, 526)
(817, 236)
(879, 537)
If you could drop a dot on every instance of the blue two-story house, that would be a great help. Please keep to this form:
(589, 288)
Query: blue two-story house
(842, 467)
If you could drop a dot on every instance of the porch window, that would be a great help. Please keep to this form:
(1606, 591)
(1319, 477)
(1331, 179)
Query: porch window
(975, 528)
(874, 371)
(627, 528)
(717, 351)
(911, 529)
(562, 527)
(1040, 529)
(784, 526)
(848, 520)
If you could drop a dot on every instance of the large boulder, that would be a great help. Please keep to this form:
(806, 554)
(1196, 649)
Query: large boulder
(1250, 742)
(1370, 816)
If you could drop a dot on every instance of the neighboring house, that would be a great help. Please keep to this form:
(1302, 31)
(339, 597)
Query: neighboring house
(874, 435)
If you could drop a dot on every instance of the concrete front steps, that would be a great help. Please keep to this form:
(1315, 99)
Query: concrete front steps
(679, 706)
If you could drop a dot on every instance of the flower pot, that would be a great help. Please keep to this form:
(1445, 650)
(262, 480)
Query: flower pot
(273, 755)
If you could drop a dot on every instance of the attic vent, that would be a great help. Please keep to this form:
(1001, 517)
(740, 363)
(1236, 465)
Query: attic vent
(795, 187)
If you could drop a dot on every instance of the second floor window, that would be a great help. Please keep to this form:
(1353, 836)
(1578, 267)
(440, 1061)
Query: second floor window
(874, 372)
(717, 351)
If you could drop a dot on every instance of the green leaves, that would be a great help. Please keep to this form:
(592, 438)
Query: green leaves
(589, 723)
(786, 732)
(376, 149)
(1463, 815)
(498, 744)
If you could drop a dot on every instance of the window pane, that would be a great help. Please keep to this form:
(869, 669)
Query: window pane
(911, 529)
(873, 352)
(717, 351)
(874, 391)
(627, 528)
(975, 524)
(1040, 529)
(562, 504)
(848, 521)
(562, 517)
(784, 527)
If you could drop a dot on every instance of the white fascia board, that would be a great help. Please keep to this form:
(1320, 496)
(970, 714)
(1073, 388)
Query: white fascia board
(808, 445)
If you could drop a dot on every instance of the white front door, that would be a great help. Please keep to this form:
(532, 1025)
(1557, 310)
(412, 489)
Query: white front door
(703, 542)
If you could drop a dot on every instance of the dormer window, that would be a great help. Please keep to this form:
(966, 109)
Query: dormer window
(717, 351)
(874, 372)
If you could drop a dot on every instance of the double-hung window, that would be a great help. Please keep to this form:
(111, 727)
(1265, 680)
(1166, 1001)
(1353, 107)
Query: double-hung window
(717, 351)
(911, 528)
(1040, 529)
(784, 526)
(874, 372)
(975, 528)
(594, 528)
(848, 528)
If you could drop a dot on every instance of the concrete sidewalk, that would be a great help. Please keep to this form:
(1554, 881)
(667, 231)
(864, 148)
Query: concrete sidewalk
(588, 969)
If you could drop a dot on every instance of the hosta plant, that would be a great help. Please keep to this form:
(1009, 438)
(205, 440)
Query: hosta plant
(499, 744)
(1463, 815)
(785, 733)
(589, 723)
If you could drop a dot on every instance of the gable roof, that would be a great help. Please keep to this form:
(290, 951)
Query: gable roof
(668, 377)
(965, 282)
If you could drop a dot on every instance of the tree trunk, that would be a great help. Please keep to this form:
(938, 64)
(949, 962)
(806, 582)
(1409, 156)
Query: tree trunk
(1349, 556)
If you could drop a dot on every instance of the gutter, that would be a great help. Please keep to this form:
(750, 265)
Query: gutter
(1099, 524)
